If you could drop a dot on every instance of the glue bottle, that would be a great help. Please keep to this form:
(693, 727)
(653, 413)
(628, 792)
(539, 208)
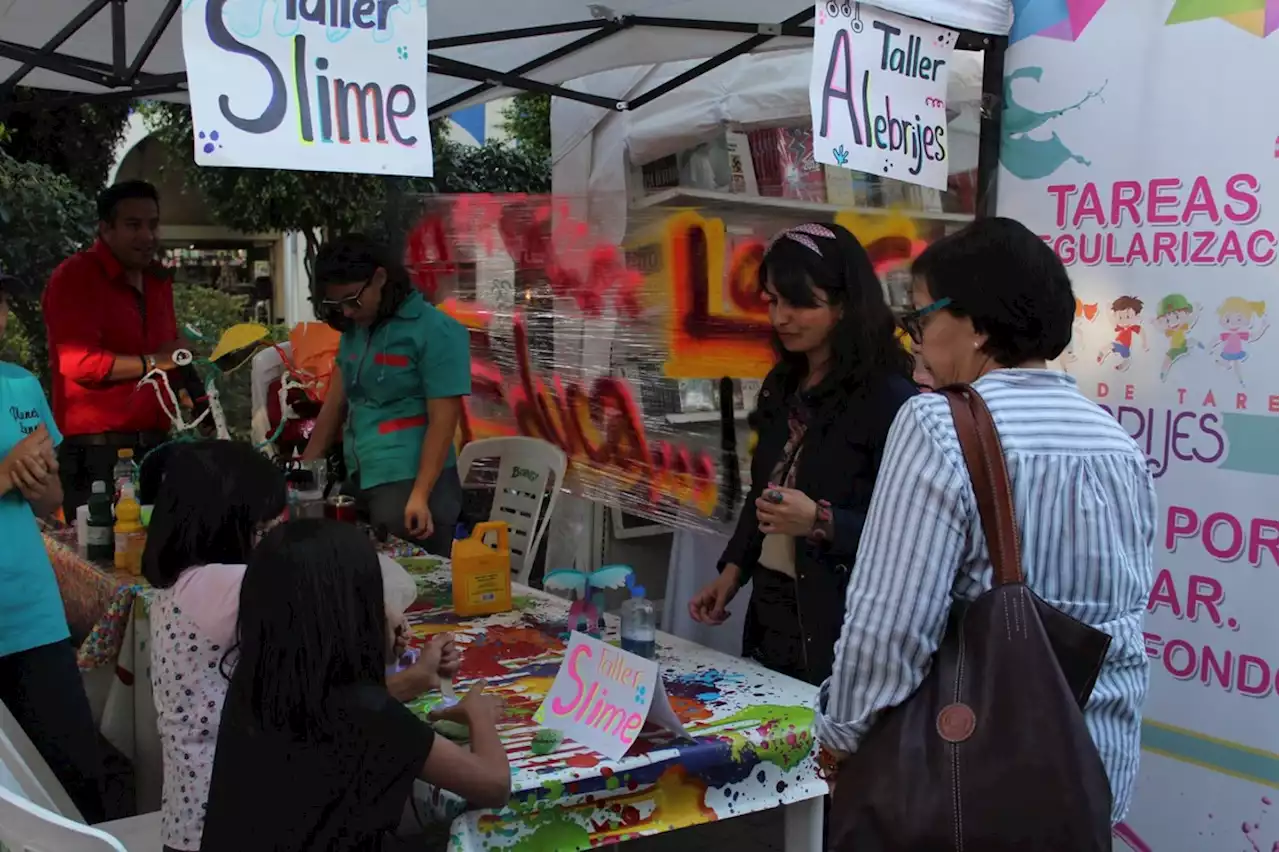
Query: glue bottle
(639, 625)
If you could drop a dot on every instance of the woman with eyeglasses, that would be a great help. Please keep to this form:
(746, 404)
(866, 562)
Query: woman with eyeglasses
(214, 501)
(993, 306)
(396, 394)
(822, 416)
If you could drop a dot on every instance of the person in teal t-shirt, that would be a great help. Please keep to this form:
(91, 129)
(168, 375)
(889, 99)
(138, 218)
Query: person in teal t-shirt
(40, 682)
(402, 371)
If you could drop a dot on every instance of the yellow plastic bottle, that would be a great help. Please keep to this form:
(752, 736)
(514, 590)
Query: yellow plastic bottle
(482, 574)
(131, 537)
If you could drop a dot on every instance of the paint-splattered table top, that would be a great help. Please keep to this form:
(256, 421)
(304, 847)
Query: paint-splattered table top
(753, 748)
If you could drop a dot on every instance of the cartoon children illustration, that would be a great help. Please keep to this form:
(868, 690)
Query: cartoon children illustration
(1126, 311)
(1084, 314)
(1237, 316)
(1176, 316)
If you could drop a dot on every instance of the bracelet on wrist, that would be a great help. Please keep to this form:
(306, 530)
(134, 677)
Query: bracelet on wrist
(822, 530)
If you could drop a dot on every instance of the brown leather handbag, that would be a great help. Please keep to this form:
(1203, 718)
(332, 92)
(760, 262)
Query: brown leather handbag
(991, 753)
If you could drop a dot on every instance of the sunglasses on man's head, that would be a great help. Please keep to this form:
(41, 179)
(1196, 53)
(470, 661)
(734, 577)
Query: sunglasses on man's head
(913, 323)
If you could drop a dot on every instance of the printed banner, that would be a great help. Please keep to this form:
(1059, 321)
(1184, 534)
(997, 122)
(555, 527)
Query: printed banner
(603, 695)
(1114, 151)
(616, 354)
(878, 92)
(321, 85)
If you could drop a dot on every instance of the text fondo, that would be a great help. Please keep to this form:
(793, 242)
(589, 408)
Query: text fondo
(325, 106)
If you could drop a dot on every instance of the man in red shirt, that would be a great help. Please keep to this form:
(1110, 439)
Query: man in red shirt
(109, 316)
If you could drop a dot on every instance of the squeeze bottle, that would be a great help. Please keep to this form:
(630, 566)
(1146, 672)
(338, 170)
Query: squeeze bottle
(482, 574)
(100, 545)
(131, 538)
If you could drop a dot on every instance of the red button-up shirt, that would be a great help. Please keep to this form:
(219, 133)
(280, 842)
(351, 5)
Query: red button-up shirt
(93, 315)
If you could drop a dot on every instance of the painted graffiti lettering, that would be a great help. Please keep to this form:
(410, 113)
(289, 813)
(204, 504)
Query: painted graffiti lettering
(600, 428)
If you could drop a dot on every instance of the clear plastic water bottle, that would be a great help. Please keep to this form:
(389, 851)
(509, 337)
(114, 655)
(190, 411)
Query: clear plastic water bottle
(123, 473)
(639, 625)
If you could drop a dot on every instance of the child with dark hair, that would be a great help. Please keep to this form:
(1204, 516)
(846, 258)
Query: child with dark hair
(315, 752)
(213, 501)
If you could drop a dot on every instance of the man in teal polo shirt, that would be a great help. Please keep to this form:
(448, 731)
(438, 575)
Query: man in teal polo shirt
(403, 369)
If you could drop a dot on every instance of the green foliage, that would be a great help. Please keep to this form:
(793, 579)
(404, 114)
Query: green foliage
(44, 219)
(492, 167)
(76, 141)
(212, 312)
(268, 200)
(527, 119)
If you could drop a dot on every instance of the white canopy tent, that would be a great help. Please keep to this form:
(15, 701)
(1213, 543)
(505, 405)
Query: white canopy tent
(479, 49)
(591, 148)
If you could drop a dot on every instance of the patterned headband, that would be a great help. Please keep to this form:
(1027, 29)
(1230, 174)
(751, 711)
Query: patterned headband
(804, 234)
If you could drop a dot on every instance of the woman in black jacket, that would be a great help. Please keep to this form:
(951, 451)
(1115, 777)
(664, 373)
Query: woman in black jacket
(822, 418)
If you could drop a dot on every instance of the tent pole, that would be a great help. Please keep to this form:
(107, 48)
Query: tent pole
(989, 135)
(467, 71)
(73, 26)
(742, 47)
(119, 56)
(604, 31)
(152, 39)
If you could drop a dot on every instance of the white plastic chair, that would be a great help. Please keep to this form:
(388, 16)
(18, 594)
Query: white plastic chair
(27, 827)
(37, 815)
(266, 367)
(523, 468)
(29, 770)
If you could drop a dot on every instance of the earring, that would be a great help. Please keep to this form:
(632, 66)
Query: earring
(977, 344)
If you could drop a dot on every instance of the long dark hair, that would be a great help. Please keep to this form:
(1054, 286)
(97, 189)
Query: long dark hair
(356, 257)
(864, 343)
(312, 620)
(211, 500)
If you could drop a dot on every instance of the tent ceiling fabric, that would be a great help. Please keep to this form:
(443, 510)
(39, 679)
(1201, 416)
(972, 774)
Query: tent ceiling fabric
(464, 38)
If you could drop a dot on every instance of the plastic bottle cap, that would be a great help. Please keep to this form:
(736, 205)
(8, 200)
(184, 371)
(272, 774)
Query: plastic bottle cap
(124, 454)
(99, 488)
(637, 591)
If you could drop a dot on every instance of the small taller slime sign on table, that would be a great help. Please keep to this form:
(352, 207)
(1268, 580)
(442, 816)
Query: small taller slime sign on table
(602, 696)
(878, 93)
(322, 85)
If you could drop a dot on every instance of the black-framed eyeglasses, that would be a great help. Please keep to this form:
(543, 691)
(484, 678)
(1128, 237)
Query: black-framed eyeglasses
(353, 302)
(913, 323)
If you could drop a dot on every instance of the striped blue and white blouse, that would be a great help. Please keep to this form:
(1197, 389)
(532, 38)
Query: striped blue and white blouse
(1086, 509)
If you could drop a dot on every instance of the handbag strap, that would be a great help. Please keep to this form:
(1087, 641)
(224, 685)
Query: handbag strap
(984, 457)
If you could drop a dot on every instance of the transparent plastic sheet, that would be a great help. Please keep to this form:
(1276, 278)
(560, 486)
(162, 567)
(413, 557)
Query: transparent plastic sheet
(617, 354)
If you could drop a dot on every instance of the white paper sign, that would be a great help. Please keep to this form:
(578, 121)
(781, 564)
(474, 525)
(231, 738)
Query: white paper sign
(878, 93)
(323, 85)
(602, 696)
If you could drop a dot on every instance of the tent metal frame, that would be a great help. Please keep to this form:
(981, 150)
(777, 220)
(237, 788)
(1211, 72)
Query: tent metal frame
(126, 79)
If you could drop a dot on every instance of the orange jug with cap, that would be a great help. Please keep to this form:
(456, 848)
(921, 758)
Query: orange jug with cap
(482, 574)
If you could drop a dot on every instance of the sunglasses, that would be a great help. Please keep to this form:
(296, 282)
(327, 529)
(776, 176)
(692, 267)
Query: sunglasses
(913, 323)
(337, 306)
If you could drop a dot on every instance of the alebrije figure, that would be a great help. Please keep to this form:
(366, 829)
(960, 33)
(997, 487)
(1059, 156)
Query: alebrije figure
(586, 613)
(1084, 314)
(1176, 316)
(1125, 311)
(1238, 317)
